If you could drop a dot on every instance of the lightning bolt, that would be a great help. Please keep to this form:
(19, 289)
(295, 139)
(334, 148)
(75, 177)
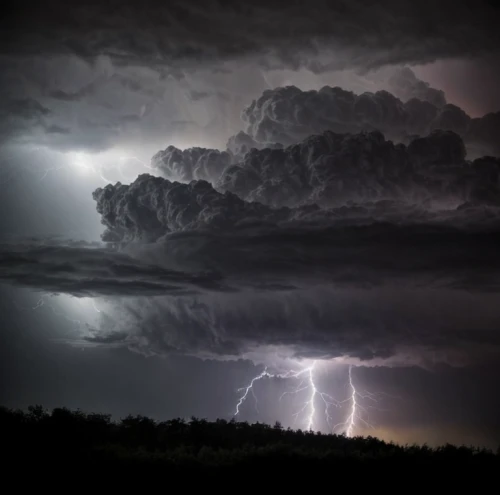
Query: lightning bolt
(351, 420)
(356, 410)
(307, 382)
(249, 389)
(309, 411)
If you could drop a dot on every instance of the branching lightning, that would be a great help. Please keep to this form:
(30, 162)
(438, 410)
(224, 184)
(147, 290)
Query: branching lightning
(308, 412)
(249, 389)
(356, 410)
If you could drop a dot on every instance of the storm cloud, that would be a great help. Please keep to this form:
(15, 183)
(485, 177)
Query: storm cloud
(331, 169)
(287, 115)
(374, 293)
(360, 33)
(404, 84)
(319, 278)
(91, 271)
(343, 245)
(180, 72)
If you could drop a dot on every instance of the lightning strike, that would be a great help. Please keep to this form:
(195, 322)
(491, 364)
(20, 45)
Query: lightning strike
(249, 389)
(352, 416)
(308, 412)
(308, 409)
(355, 417)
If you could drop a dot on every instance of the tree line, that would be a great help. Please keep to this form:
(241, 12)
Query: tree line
(68, 438)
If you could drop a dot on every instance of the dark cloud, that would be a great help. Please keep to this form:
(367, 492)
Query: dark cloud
(331, 169)
(301, 290)
(19, 115)
(412, 221)
(484, 131)
(126, 76)
(85, 271)
(287, 115)
(354, 189)
(98, 104)
(406, 86)
(240, 144)
(357, 237)
(195, 227)
(363, 33)
(192, 163)
(470, 83)
(397, 326)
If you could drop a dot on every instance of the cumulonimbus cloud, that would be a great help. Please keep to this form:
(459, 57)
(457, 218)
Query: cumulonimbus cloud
(411, 224)
(393, 258)
(287, 115)
(366, 279)
(331, 169)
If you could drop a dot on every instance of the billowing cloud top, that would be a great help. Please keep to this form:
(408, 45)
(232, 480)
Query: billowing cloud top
(406, 86)
(331, 169)
(287, 115)
(191, 163)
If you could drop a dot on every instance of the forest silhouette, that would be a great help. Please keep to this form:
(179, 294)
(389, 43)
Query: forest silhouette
(217, 450)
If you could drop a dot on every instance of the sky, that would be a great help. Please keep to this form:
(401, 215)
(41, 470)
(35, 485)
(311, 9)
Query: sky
(195, 193)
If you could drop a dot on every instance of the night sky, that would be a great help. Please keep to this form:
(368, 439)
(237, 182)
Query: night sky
(193, 193)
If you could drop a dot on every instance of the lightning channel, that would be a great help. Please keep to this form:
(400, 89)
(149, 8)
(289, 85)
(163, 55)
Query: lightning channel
(351, 420)
(318, 402)
(357, 412)
(307, 383)
(249, 389)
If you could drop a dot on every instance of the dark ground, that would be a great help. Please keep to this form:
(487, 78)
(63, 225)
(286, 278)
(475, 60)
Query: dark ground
(77, 447)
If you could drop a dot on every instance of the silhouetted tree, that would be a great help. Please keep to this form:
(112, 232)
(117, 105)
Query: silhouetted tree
(66, 438)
